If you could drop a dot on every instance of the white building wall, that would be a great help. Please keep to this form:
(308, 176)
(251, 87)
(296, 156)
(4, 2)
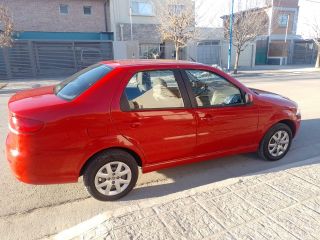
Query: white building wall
(247, 57)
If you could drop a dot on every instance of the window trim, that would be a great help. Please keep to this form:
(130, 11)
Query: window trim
(124, 102)
(193, 98)
(65, 5)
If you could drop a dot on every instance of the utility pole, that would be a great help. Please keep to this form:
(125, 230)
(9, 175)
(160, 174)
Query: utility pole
(230, 40)
(130, 14)
(285, 49)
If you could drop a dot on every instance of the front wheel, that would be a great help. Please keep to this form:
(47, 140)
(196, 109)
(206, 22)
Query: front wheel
(276, 143)
(111, 175)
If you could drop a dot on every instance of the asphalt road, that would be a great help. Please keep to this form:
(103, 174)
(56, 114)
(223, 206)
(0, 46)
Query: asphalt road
(33, 212)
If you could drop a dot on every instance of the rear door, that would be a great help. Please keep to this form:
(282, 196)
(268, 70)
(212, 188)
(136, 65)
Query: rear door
(155, 115)
(225, 122)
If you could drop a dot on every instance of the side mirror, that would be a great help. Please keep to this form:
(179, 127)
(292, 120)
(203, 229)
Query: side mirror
(248, 98)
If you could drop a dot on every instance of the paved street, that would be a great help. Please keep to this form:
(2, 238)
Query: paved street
(283, 203)
(32, 212)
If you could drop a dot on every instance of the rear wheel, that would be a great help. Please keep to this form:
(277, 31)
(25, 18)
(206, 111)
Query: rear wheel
(276, 143)
(111, 175)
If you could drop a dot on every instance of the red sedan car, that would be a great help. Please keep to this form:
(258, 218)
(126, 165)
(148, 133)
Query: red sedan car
(112, 117)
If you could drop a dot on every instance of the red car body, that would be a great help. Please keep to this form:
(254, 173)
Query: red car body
(51, 139)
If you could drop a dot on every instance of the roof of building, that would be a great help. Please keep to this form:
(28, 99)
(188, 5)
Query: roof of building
(247, 10)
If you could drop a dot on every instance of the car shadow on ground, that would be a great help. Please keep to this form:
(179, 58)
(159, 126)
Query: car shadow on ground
(306, 145)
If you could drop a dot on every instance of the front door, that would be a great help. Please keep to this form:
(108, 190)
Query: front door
(225, 122)
(155, 115)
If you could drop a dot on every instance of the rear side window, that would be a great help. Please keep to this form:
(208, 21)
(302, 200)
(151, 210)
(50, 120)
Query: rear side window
(75, 85)
(154, 90)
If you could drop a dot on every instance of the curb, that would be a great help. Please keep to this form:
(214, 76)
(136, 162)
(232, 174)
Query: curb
(87, 225)
(81, 228)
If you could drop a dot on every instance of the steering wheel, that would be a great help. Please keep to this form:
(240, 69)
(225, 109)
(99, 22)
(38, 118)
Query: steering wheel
(199, 87)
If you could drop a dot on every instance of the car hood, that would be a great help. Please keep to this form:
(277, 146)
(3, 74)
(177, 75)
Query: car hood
(39, 98)
(274, 97)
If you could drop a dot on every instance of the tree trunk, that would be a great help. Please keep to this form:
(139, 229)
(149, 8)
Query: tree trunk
(318, 58)
(236, 64)
(177, 53)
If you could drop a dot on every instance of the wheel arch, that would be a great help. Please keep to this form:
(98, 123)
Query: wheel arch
(290, 124)
(130, 151)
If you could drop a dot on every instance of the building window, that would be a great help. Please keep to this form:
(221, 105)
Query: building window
(142, 7)
(87, 10)
(283, 20)
(149, 51)
(64, 9)
(209, 43)
(176, 8)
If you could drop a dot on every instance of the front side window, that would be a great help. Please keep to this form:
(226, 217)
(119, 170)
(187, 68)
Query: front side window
(64, 9)
(210, 89)
(73, 86)
(142, 7)
(153, 90)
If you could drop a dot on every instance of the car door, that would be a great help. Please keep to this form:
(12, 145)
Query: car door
(225, 122)
(155, 115)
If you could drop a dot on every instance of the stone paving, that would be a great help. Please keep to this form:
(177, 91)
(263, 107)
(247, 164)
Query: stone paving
(282, 204)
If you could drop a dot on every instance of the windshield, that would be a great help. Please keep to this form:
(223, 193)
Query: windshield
(75, 85)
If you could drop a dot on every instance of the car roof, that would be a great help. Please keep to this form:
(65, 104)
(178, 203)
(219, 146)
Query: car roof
(149, 63)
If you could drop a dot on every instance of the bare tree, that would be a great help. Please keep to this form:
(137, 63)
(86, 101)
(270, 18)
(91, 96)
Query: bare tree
(247, 25)
(6, 27)
(177, 23)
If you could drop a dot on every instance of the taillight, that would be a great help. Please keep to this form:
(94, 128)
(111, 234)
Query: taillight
(25, 125)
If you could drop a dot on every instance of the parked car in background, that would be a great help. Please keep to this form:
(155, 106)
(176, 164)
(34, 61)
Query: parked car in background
(115, 116)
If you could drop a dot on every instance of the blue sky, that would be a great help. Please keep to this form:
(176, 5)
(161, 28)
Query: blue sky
(209, 12)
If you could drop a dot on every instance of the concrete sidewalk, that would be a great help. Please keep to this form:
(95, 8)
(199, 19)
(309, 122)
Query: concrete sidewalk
(283, 203)
(265, 71)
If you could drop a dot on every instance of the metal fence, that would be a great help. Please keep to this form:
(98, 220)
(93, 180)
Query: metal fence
(304, 52)
(202, 53)
(32, 59)
(209, 54)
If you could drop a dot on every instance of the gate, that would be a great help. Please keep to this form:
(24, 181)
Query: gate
(28, 59)
(304, 52)
(261, 52)
(208, 52)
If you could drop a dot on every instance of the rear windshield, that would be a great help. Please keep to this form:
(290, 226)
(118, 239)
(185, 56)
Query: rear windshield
(73, 86)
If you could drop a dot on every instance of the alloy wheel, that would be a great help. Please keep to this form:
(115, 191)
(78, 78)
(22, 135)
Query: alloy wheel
(278, 143)
(113, 178)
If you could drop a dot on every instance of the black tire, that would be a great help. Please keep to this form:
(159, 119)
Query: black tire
(263, 148)
(101, 160)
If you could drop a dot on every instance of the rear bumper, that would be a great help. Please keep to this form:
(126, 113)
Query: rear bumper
(29, 166)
